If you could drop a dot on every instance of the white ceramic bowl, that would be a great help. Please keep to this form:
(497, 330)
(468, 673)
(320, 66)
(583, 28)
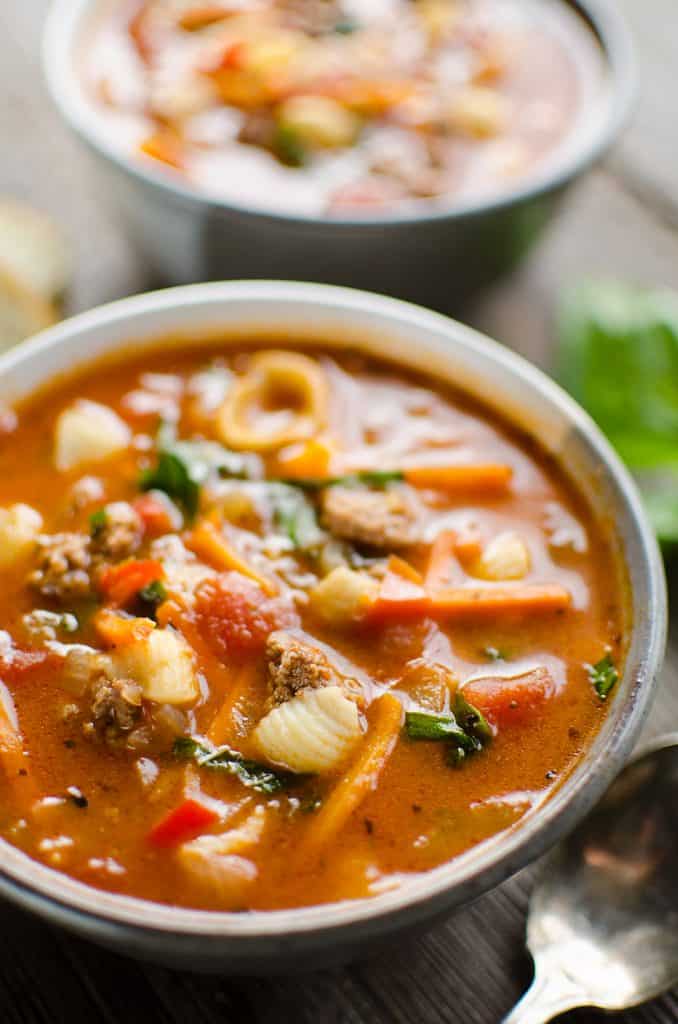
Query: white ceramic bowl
(305, 938)
(435, 255)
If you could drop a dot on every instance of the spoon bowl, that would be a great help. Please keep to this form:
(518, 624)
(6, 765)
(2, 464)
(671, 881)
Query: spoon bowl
(603, 920)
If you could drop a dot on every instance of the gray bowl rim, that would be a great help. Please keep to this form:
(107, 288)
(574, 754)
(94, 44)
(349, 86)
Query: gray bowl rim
(146, 928)
(62, 27)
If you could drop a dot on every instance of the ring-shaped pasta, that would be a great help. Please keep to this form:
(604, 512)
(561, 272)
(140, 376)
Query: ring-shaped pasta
(281, 399)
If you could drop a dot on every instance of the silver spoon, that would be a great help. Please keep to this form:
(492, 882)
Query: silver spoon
(603, 919)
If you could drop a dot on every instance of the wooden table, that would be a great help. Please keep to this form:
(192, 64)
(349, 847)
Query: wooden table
(622, 220)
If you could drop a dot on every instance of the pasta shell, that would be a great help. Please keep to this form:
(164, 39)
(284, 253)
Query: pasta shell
(162, 664)
(311, 733)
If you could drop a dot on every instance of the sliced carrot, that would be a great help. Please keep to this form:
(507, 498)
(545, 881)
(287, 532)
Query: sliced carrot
(491, 477)
(398, 598)
(507, 701)
(165, 147)
(361, 777)
(120, 584)
(310, 459)
(210, 544)
(476, 602)
(186, 821)
(119, 630)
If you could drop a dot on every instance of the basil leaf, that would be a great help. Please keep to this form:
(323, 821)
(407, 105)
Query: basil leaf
(252, 774)
(618, 356)
(184, 466)
(603, 676)
(296, 516)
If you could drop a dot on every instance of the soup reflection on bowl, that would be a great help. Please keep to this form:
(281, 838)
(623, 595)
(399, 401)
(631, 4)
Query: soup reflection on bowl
(319, 107)
(412, 146)
(296, 623)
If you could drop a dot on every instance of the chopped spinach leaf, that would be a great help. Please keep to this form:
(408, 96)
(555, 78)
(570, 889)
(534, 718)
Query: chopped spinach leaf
(465, 732)
(471, 719)
(288, 146)
(420, 725)
(346, 26)
(98, 522)
(296, 516)
(154, 593)
(603, 676)
(252, 774)
(184, 466)
(367, 477)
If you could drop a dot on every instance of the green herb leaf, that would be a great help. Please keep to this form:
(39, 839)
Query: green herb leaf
(154, 593)
(252, 774)
(471, 719)
(296, 516)
(367, 477)
(98, 522)
(603, 676)
(346, 26)
(618, 356)
(288, 146)
(420, 725)
(184, 466)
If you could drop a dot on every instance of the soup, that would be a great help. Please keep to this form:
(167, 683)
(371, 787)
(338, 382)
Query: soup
(333, 107)
(285, 627)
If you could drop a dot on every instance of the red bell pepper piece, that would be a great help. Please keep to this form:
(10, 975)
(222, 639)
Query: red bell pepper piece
(186, 821)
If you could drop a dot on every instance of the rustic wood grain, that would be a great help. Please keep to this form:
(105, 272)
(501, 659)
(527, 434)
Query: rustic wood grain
(622, 220)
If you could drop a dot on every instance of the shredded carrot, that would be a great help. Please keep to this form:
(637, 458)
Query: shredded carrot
(118, 630)
(165, 147)
(399, 567)
(490, 477)
(442, 550)
(309, 459)
(360, 778)
(223, 724)
(476, 602)
(209, 544)
(196, 18)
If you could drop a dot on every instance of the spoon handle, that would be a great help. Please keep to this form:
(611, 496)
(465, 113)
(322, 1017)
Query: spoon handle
(550, 994)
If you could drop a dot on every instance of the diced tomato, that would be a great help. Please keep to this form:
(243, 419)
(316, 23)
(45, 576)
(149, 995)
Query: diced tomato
(186, 821)
(157, 513)
(236, 616)
(121, 583)
(506, 701)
